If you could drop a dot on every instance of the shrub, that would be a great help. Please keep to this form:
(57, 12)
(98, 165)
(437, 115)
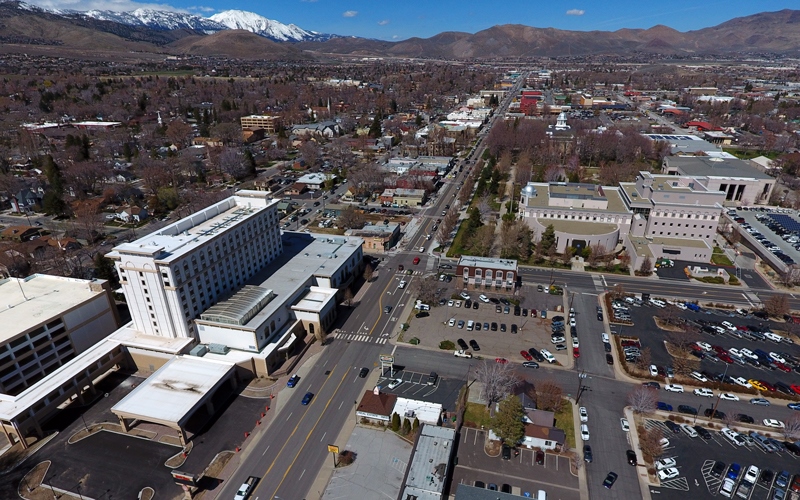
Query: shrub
(447, 345)
(406, 426)
(346, 457)
(395, 422)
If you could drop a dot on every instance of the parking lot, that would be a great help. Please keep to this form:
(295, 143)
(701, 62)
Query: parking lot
(763, 225)
(711, 366)
(493, 342)
(520, 472)
(415, 386)
(695, 459)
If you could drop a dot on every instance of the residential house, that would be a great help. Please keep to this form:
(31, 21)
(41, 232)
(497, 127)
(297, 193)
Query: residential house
(27, 200)
(350, 194)
(20, 233)
(326, 129)
(296, 188)
(132, 214)
(376, 407)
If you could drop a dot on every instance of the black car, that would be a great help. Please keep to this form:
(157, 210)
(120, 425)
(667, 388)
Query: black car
(631, 456)
(524, 312)
(766, 477)
(610, 479)
(536, 354)
(468, 303)
(599, 316)
(530, 364)
(494, 327)
(587, 453)
(607, 346)
(689, 410)
(462, 344)
(745, 419)
(513, 328)
(474, 305)
(652, 385)
(719, 415)
(718, 469)
(505, 302)
(422, 314)
(474, 345)
(703, 432)
(506, 452)
(502, 327)
(363, 373)
(672, 426)
(517, 311)
(609, 359)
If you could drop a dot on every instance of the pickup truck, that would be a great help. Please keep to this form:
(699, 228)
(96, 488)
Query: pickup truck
(462, 354)
(246, 488)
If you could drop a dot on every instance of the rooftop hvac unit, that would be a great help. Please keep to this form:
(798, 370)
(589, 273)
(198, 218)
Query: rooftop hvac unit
(199, 351)
(218, 348)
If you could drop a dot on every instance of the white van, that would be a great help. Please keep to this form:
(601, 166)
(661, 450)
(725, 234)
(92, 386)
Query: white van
(548, 356)
(688, 430)
(773, 337)
(470, 325)
(658, 303)
(422, 307)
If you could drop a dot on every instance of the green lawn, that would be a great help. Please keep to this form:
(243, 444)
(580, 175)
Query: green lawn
(565, 422)
(479, 415)
(719, 258)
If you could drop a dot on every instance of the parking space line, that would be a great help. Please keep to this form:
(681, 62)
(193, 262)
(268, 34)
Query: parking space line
(680, 484)
(712, 483)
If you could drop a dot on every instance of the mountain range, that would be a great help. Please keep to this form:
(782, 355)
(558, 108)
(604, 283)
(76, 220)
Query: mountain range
(240, 34)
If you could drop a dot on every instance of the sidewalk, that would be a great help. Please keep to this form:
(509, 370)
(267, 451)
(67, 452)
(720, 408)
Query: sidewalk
(583, 481)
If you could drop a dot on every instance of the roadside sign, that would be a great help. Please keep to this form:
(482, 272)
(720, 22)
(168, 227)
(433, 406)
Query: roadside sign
(332, 448)
(387, 358)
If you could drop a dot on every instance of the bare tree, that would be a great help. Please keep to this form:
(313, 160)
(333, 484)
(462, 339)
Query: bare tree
(549, 396)
(497, 379)
(369, 271)
(777, 305)
(348, 296)
(646, 268)
(650, 443)
(179, 133)
(643, 399)
(350, 218)
(644, 358)
(791, 428)
(425, 289)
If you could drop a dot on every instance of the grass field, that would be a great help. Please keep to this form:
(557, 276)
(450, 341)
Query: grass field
(565, 423)
(478, 414)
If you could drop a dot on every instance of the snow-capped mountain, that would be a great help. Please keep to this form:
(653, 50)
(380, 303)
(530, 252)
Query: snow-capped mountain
(156, 19)
(250, 21)
(164, 20)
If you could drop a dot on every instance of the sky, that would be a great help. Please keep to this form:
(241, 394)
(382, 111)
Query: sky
(401, 19)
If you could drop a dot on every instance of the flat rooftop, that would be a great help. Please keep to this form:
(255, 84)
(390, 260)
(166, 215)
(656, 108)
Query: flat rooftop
(714, 167)
(179, 238)
(28, 302)
(174, 390)
(544, 192)
(494, 263)
(428, 469)
(680, 242)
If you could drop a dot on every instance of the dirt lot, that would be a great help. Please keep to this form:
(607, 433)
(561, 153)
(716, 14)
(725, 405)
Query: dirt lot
(533, 332)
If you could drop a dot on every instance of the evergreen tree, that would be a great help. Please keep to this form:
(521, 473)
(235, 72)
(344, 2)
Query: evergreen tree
(406, 426)
(415, 425)
(507, 422)
(375, 130)
(250, 161)
(104, 269)
(418, 121)
(548, 238)
(53, 173)
(395, 422)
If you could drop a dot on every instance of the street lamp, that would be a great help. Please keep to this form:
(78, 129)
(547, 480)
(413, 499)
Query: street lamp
(719, 396)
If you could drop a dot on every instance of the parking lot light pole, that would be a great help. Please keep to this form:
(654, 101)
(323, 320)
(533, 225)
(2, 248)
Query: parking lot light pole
(719, 396)
(699, 407)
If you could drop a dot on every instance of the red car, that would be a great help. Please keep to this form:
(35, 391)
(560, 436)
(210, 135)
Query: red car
(724, 357)
(525, 355)
(719, 349)
(795, 388)
(501, 360)
(769, 386)
(782, 367)
(576, 352)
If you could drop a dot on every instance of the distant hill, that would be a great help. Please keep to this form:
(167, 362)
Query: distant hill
(143, 31)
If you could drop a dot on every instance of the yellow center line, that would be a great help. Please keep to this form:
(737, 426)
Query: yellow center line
(305, 441)
(380, 305)
(299, 421)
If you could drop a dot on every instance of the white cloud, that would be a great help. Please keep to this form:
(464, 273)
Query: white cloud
(384, 22)
(395, 37)
(309, 1)
(350, 13)
(201, 8)
(576, 12)
(114, 5)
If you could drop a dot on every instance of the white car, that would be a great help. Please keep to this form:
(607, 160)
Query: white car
(422, 249)
(747, 352)
(730, 326)
(604, 336)
(743, 382)
(771, 422)
(584, 414)
(402, 284)
(704, 346)
(624, 423)
(777, 357)
(665, 463)
(584, 432)
(706, 393)
(673, 388)
(572, 322)
(451, 303)
(664, 442)
(464, 295)
(728, 396)
(575, 343)
(735, 352)
(452, 322)
(483, 298)
(653, 371)
(458, 303)
(670, 473)
(751, 475)
(699, 376)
